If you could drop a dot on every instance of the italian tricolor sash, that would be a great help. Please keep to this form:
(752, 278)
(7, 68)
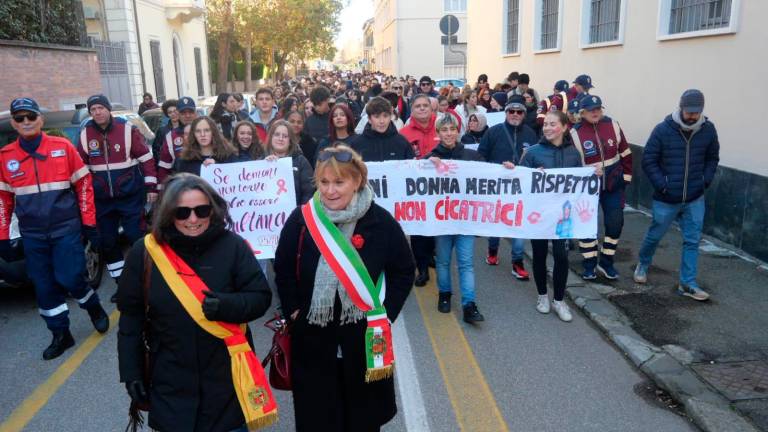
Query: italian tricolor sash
(367, 296)
(250, 382)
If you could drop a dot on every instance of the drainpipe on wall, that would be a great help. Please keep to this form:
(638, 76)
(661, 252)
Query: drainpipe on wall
(138, 42)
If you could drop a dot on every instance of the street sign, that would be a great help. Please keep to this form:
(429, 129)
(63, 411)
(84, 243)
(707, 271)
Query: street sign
(449, 25)
(444, 40)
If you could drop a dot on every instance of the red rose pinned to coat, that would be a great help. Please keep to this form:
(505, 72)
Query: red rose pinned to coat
(358, 241)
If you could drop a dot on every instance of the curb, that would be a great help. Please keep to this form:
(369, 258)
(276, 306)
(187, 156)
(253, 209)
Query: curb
(708, 409)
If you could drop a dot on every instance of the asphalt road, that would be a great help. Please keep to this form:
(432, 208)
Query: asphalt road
(517, 371)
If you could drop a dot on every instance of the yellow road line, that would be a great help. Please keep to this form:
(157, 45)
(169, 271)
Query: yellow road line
(25, 412)
(469, 393)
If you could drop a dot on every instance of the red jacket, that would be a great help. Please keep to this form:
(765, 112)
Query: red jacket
(40, 189)
(422, 139)
(603, 144)
(121, 163)
(171, 149)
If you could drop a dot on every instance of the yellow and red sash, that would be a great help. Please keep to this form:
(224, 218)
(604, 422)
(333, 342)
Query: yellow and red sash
(250, 382)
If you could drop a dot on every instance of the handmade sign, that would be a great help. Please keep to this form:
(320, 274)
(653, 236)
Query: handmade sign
(485, 199)
(260, 195)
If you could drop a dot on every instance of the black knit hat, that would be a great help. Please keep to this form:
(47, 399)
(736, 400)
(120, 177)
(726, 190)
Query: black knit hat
(99, 99)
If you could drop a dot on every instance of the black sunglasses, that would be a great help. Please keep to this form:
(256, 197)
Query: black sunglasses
(397, 88)
(201, 211)
(29, 116)
(425, 84)
(519, 112)
(340, 156)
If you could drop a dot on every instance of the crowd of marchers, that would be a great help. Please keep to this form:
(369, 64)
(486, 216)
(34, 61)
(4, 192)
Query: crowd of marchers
(343, 267)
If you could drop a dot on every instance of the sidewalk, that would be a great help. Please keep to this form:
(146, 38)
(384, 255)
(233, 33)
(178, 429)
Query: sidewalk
(720, 346)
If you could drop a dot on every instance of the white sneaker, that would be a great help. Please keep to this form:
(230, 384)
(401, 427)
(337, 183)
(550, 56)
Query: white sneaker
(542, 304)
(562, 310)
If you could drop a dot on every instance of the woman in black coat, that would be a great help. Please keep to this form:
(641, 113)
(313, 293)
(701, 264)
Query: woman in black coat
(191, 383)
(328, 358)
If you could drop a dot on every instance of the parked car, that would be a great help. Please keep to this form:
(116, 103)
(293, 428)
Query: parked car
(457, 82)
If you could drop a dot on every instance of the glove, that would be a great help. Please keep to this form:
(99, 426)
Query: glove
(91, 233)
(6, 252)
(211, 305)
(136, 391)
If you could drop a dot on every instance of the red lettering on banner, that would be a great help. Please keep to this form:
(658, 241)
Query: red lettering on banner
(487, 212)
(410, 211)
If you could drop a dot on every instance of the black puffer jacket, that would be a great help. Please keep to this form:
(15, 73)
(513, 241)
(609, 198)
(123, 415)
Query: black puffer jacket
(458, 152)
(378, 147)
(192, 388)
(547, 155)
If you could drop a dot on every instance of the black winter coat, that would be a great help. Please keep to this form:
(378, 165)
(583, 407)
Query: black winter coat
(472, 137)
(681, 167)
(458, 152)
(506, 143)
(303, 174)
(191, 386)
(308, 147)
(193, 166)
(378, 147)
(318, 381)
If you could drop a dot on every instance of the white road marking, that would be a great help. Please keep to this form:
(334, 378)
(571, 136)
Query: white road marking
(407, 378)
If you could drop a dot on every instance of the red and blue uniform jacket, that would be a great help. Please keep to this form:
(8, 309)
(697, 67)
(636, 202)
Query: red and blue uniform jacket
(555, 102)
(119, 159)
(603, 144)
(170, 150)
(50, 190)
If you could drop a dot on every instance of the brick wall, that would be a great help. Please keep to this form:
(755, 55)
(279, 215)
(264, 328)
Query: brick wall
(55, 76)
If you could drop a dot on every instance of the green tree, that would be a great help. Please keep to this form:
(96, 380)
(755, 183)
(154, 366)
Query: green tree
(220, 25)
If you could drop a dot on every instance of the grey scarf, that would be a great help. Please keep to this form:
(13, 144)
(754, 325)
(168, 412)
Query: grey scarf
(677, 117)
(327, 284)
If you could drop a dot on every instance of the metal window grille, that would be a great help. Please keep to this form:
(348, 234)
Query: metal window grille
(696, 15)
(157, 70)
(111, 57)
(604, 22)
(199, 72)
(513, 25)
(549, 15)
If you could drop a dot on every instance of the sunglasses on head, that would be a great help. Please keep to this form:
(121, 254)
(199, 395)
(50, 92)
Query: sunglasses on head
(340, 156)
(514, 111)
(201, 211)
(19, 118)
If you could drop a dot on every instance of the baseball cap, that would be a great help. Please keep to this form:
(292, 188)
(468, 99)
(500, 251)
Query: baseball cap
(516, 102)
(562, 86)
(186, 103)
(574, 106)
(590, 102)
(584, 81)
(425, 79)
(692, 101)
(24, 104)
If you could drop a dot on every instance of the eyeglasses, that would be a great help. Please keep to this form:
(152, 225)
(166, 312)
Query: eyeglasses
(514, 111)
(340, 156)
(201, 211)
(29, 116)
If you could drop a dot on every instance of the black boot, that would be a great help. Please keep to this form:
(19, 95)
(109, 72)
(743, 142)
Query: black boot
(471, 314)
(99, 318)
(444, 302)
(62, 340)
(422, 278)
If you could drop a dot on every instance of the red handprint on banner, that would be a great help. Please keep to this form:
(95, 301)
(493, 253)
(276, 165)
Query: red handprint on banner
(534, 217)
(585, 211)
(446, 167)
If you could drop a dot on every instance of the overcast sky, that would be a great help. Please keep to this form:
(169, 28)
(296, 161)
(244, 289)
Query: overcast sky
(352, 18)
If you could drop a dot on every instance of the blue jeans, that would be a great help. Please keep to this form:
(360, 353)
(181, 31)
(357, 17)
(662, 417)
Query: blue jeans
(464, 245)
(518, 247)
(690, 216)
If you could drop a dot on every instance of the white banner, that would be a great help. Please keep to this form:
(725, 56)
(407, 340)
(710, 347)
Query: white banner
(495, 118)
(260, 195)
(488, 200)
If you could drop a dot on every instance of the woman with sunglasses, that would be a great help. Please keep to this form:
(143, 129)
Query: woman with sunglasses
(191, 386)
(247, 142)
(204, 145)
(282, 142)
(328, 350)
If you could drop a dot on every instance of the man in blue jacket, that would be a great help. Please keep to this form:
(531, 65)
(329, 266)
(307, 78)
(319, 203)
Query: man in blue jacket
(680, 160)
(506, 142)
